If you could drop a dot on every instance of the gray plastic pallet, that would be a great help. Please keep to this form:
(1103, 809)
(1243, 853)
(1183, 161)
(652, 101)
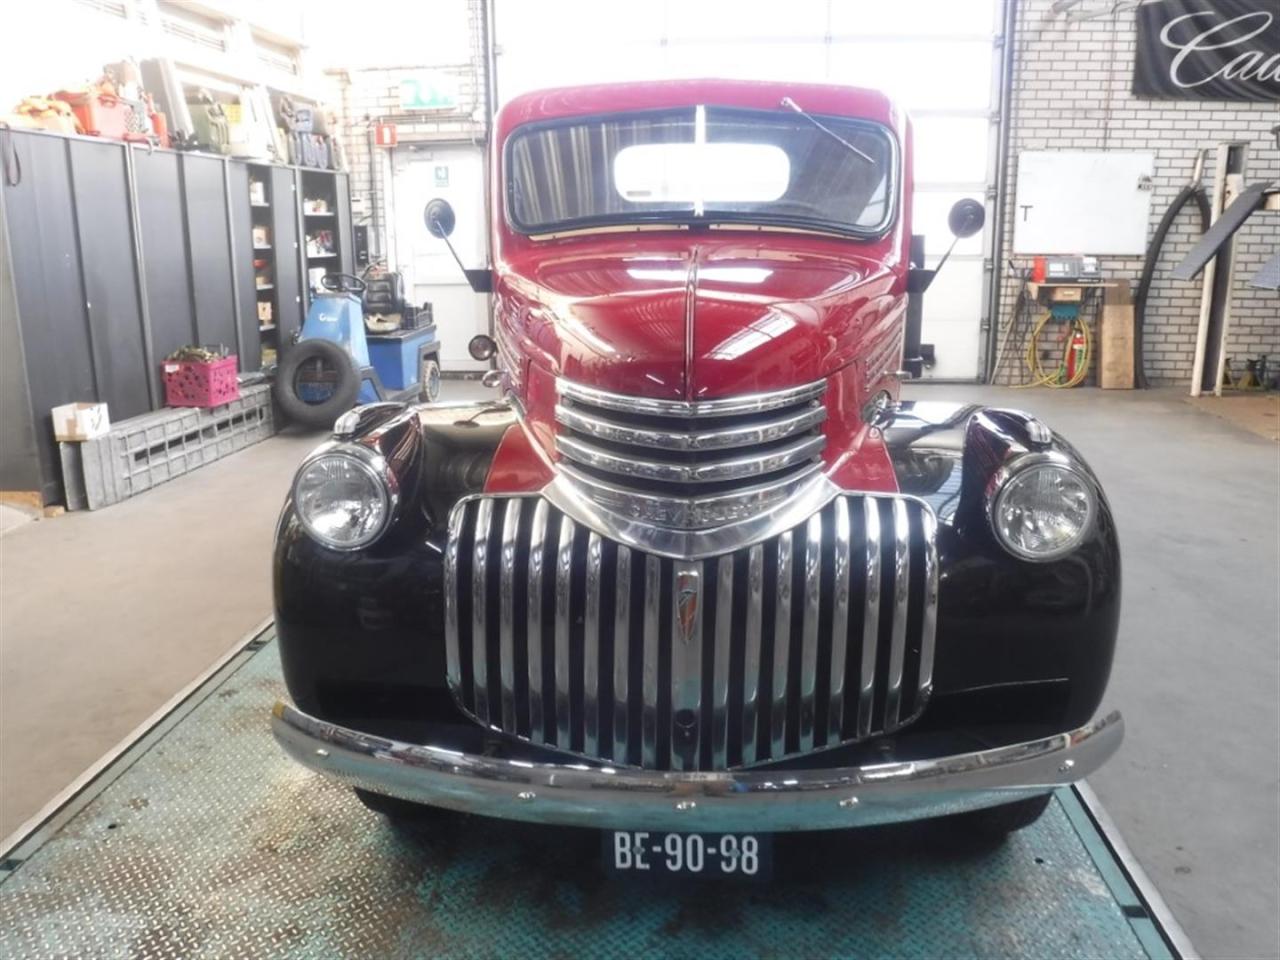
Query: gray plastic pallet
(141, 452)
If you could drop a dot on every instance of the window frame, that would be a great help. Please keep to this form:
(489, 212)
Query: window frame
(677, 221)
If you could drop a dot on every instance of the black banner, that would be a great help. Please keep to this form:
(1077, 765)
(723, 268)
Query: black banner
(1208, 50)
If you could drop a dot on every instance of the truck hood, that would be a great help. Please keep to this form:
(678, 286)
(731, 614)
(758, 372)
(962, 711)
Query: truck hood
(716, 318)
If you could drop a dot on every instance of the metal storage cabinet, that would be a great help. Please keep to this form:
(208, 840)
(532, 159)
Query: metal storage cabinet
(242, 258)
(165, 270)
(104, 226)
(116, 256)
(208, 239)
(47, 279)
(284, 238)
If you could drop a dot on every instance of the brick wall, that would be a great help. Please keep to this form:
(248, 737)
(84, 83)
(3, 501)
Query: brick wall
(366, 96)
(1071, 91)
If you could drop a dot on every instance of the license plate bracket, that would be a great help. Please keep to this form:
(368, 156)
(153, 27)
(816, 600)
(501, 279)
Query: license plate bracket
(728, 856)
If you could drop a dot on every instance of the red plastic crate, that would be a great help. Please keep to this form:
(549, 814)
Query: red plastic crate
(189, 383)
(100, 114)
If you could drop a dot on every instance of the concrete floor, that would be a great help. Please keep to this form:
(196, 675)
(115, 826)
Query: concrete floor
(103, 616)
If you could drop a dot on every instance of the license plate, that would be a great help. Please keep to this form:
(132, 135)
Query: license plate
(639, 852)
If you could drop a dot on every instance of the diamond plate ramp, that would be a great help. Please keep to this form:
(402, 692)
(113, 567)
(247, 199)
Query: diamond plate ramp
(209, 842)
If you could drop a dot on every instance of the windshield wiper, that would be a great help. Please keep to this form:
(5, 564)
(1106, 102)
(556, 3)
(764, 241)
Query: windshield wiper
(792, 105)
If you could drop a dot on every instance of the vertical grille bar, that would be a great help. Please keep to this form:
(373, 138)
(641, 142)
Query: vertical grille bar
(649, 674)
(452, 654)
(929, 622)
(533, 633)
(809, 628)
(479, 609)
(621, 654)
(839, 620)
(901, 593)
(781, 649)
(720, 670)
(564, 617)
(507, 613)
(870, 616)
(686, 662)
(591, 649)
(649, 691)
(751, 652)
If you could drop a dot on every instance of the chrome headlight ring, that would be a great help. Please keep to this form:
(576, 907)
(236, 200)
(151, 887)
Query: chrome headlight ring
(359, 504)
(1034, 537)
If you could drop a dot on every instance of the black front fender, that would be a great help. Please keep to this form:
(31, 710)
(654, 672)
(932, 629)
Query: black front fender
(1005, 622)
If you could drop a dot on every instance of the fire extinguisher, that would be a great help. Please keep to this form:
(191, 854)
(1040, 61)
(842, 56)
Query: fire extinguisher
(1076, 355)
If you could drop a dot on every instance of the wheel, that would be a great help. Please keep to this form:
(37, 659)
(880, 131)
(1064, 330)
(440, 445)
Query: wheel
(999, 822)
(402, 811)
(430, 380)
(316, 382)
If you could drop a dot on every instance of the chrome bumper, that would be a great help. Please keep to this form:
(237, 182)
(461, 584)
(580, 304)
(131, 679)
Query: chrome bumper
(744, 801)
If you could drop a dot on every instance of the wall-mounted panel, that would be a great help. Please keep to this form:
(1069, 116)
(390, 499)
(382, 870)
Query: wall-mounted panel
(99, 180)
(1091, 202)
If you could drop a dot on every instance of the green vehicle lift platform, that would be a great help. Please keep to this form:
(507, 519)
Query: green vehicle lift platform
(198, 837)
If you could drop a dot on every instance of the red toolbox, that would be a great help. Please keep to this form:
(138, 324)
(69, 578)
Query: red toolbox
(100, 114)
(192, 383)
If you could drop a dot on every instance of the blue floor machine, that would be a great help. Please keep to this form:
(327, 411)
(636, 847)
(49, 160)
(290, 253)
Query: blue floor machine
(337, 363)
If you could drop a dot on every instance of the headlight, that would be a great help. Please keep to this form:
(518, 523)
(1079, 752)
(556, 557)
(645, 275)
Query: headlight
(1041, 507)
(343, 499)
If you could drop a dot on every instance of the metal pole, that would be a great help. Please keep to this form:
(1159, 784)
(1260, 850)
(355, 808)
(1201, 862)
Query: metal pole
(1008, 63)
(140, 277)
(231, 258)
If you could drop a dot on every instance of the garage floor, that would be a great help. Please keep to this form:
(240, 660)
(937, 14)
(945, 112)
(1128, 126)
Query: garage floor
(88, 654)
(275, 862)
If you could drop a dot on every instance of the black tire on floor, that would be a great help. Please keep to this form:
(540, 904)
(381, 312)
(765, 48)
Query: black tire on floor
(402, 811)
(345, 388)
(998, 822)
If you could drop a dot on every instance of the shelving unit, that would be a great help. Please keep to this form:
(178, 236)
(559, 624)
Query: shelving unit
(264, 267)
(322, 242)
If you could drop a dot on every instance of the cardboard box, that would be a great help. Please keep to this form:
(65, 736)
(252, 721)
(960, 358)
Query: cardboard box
(80, 421)
(1115, 340)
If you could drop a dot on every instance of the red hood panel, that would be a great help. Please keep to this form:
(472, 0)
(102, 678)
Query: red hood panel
(699, 320)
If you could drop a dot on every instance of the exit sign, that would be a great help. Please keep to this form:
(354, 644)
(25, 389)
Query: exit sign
(386, 134)
(429, 90)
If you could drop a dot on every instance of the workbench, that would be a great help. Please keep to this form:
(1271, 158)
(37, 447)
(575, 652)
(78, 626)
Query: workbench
(199, 838)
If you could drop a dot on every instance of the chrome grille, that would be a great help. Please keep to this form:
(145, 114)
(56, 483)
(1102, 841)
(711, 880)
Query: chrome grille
(820, 635)
(689, 463)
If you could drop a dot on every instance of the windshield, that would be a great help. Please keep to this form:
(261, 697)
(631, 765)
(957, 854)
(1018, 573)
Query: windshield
(702, 164)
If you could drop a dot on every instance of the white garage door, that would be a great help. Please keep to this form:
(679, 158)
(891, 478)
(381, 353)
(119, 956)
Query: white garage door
(938, 58)
(456, 174)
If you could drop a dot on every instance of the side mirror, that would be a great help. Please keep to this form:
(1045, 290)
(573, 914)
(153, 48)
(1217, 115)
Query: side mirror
(965, 219)
(441, 219)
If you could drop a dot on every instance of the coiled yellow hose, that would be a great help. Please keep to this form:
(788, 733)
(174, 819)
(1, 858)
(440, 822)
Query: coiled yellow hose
(1058, 377)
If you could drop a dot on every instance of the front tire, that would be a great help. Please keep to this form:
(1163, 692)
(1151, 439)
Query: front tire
(402, 812)
(996, 823)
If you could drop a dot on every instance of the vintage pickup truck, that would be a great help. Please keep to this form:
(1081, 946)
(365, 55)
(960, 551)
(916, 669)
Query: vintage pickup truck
(696, 571)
